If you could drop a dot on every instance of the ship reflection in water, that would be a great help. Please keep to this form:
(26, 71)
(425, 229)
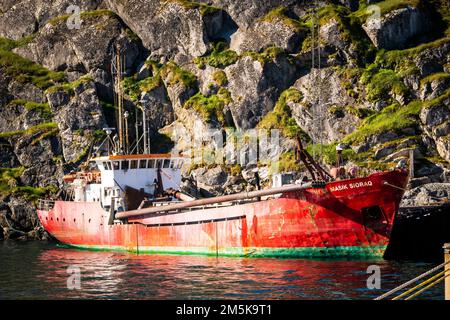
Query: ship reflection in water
(40, 271)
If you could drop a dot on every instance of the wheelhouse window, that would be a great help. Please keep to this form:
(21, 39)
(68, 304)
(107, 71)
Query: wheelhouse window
(166, 163)
(133, 164)
(106, 165)
(142, 164)
(116, 165)
(125, 165)
(158, 163)
(151, 164)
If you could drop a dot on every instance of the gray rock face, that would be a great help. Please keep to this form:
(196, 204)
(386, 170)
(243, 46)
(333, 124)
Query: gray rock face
(428, 194)
(265, 34)
(255, 88)
(24, 17)
(434, 89)
(78, 117)
(246, 15)
(81, 51)
(7, 157)
(18, 220)
(210, 179)
(431, 60)
(325, 119)
(436, 124)
(395, 29)
(159, 109)
(168, 28)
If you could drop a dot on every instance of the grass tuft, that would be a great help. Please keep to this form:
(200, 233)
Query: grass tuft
(281, 116)
(220, 57)
(210, 107)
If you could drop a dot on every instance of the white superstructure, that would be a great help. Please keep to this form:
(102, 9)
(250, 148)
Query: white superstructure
(117, 172)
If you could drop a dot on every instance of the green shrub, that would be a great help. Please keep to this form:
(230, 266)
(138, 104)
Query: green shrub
(8, 179)
(205, 9)
(381, 83)
(33, 194)
(220, 78)
(434, 77)
(176, 75)
(439, 100)
(210, 107)
(287, 163)
(26, 71)
(267, 55)
(69, 87)
(220, 57)
(40, 128)
(403, 61)
(9, 184)
(385, 7)
(281, 116)
(280, 14)
(43, 109)
(392, 118)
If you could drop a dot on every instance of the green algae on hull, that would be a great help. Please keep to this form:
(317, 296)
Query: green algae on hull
(249, 252)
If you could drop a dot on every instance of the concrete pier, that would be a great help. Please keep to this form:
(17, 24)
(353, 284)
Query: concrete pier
(447, 270)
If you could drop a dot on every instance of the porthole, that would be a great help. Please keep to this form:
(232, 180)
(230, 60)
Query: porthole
(57, 219)
(74, 220)
(64, 219)
(89, 220)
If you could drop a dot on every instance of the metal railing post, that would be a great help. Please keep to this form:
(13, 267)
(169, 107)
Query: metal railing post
(447, 270)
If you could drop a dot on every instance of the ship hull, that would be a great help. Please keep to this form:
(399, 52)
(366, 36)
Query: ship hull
(351, 218)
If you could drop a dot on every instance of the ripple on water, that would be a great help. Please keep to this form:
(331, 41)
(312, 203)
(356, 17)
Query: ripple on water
(39, 270)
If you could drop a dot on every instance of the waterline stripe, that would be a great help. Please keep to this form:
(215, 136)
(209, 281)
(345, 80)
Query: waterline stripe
(250, 252)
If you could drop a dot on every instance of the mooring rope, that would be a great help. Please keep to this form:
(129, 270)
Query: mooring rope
(427, 287)
(418, 286)
(406, 284)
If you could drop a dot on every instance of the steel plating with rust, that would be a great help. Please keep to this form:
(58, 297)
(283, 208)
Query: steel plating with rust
(344, 223)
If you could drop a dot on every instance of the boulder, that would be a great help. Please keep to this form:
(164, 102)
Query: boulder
(170, 27)
(326, 117)
(395, 29)
(158, 107)
(78, 115)
(22, 18)
(435, 121)
(245, 14)
(256, 86)
(210, 179)
(264, 34)
(428, 194)
(81, 51)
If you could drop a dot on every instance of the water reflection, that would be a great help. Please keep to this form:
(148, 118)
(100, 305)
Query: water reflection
(40, 271)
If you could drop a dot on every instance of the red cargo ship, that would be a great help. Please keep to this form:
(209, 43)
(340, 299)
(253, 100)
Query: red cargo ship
(112, 209)
(128, 202)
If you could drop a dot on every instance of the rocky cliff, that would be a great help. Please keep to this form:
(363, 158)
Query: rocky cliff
(383, 88)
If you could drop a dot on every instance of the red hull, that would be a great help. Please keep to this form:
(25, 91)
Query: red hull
(342, 219)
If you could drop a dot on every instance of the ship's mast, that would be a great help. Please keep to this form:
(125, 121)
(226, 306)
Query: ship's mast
(316, 82)
(123, 143)
(117, 70)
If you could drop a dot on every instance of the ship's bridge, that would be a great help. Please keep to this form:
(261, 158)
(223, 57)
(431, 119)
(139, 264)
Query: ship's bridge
(140, 171)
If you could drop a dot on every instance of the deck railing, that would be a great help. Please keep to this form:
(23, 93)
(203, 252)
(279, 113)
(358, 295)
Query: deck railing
(437, 275)
(46, 205)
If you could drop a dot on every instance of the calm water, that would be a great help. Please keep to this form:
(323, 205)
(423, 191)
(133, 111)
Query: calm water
(35, 270)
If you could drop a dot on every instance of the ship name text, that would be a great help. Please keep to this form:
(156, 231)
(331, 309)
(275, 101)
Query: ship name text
(347, 186)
